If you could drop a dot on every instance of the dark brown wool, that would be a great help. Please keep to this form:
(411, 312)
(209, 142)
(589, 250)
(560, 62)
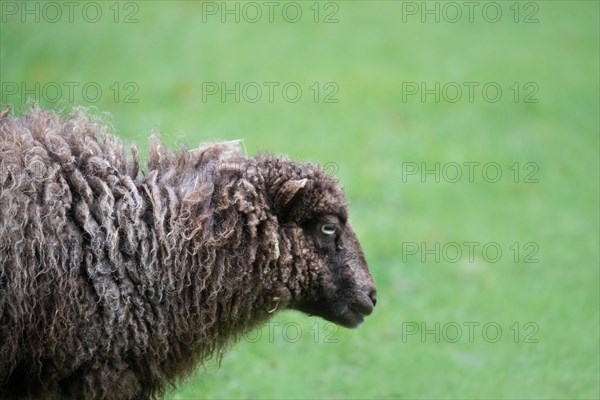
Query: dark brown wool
(115, 282)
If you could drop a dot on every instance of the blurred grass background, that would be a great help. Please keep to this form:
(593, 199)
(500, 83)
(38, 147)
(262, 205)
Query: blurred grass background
(164, 55)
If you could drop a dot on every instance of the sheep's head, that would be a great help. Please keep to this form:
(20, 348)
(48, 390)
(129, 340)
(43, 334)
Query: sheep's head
(312, 208)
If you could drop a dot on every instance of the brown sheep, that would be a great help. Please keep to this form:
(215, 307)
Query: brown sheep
(114, 283)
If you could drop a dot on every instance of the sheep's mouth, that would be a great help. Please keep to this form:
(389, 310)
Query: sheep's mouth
(347, 315)
(345, 310)
(353, 315)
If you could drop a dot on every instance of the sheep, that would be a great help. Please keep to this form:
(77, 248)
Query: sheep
(115, 283)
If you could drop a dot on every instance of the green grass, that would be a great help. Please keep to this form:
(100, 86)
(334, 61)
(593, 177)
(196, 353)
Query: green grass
(370, 134)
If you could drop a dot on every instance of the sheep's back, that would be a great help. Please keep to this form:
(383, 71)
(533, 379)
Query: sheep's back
(95, 278)
(67, 272)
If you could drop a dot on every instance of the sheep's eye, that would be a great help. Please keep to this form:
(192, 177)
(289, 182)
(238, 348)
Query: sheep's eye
(328, 229)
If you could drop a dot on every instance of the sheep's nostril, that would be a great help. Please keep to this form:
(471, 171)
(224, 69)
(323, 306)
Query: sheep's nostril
(373, 296)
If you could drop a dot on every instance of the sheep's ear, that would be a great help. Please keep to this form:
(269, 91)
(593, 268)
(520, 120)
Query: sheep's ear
(288, 192)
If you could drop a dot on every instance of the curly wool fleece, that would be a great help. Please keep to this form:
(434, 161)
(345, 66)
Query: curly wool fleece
(114, 283)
